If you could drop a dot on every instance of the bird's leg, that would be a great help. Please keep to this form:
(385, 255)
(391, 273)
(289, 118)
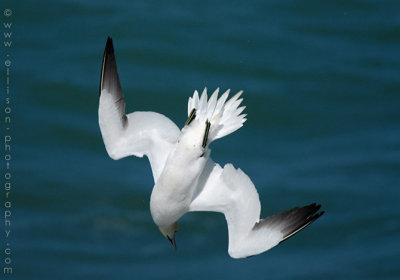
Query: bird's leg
(191, 117)
(205, 138)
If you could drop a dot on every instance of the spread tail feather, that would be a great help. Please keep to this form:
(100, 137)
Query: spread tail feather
(225, 116)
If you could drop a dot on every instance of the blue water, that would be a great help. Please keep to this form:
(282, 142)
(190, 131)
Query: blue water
(322, 90)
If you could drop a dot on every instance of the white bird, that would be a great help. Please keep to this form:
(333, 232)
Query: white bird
(186, 178)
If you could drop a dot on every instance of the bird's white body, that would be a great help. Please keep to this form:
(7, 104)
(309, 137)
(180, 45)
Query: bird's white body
(186, 178)
(173, 192)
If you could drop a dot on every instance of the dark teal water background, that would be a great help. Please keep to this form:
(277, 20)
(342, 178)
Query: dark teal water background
(322, 90)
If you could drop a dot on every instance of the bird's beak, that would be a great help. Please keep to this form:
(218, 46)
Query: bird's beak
(172, 240)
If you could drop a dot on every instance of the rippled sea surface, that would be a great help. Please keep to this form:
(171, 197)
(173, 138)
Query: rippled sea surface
(322, 90)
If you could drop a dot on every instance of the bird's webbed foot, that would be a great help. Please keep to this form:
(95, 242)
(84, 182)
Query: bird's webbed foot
(207, 130)
(191, 117)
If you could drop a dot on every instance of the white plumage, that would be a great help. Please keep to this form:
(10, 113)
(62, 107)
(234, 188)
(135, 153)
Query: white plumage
(225, 117)
(186, 178)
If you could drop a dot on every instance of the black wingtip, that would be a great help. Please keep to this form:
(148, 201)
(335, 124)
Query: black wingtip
(309, 213)
(108, 65)
(109, 49)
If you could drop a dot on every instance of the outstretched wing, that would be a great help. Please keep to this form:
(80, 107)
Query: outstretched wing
(138, 133)
(230, 191)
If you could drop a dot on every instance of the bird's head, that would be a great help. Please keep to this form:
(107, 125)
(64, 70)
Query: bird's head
(169, 232)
